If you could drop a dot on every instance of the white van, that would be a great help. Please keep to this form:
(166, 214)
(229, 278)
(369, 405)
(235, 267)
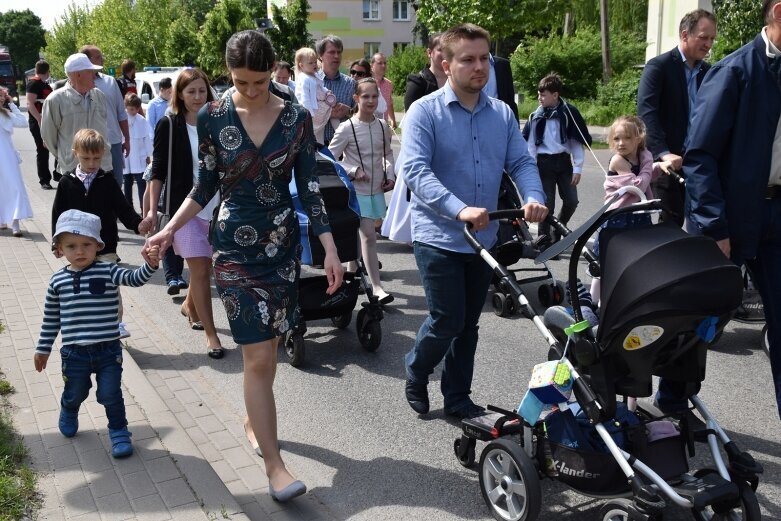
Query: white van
(148, 81)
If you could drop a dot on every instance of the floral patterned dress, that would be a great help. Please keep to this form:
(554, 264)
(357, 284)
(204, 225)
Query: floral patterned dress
(256, 237)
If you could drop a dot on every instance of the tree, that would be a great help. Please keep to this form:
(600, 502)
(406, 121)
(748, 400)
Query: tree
(65, 37)
(739, 21)
(290, 32)
(227, 17)
(24, 35)
(181, 46)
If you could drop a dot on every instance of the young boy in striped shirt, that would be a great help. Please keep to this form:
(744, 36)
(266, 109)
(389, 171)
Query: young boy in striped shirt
(82, 301)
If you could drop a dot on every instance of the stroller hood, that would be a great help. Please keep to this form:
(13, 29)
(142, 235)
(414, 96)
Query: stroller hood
(661, 271)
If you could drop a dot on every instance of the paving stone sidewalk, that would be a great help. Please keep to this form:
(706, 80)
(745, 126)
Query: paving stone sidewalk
(192, 460)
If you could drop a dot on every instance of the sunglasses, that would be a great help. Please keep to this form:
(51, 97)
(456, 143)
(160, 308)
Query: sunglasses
(362, 74)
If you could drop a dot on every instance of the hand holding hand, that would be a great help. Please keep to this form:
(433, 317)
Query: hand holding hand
(145, 226)
(40, 361)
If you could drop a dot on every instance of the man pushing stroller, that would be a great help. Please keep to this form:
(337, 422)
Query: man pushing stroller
(455, 179)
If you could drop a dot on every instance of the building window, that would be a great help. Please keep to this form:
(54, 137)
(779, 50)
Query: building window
(371, 9)
(401, 10)
(399, 46)
(371, 48)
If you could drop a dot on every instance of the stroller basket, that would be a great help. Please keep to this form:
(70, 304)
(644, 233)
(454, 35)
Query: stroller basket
(316, 305)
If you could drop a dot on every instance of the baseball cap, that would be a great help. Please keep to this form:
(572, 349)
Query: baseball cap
(79, 223)
(79, 62)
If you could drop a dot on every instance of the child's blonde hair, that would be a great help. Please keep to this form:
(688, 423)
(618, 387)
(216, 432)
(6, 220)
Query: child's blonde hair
(634, 126)
(304, 53)
(132, 100)
(89, 140)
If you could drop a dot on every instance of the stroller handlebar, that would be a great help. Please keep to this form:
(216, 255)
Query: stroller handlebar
(469, 235)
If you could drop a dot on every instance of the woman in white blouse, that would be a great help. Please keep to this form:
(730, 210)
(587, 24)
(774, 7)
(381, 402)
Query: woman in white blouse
(14, 204)
(365, 141)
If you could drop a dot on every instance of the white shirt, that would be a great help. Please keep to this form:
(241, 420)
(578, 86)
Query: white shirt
(775, 156)
(551, 144)
(206, 212)
(140, 144)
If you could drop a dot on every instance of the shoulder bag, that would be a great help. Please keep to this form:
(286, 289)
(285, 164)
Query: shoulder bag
(165, 216)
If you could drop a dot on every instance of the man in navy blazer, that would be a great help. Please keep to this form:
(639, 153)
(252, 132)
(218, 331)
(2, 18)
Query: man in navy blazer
(668, 90)
(732, 167)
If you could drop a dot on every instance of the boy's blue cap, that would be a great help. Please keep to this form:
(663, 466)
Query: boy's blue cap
(79, 223)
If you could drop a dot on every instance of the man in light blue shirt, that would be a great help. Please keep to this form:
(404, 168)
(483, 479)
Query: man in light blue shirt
(457, 142)
(157, 107)
(118, 132)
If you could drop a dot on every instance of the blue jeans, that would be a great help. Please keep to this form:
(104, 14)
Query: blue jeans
(104, 359)
(173, 265)
(140, 184)
(456, 285)
(117, 162)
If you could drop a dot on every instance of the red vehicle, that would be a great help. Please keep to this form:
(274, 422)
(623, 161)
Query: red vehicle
(9, 73)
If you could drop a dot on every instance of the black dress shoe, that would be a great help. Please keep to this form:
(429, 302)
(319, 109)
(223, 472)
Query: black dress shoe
(47, 186)
(417, 396)
(469, 410)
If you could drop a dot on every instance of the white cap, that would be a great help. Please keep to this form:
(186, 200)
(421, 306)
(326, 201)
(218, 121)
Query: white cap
(79, 62)
(79, 223)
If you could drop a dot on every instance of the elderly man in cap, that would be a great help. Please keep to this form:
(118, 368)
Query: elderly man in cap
(76, 106)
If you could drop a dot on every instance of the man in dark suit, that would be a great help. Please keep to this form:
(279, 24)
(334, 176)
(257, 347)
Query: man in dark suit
(668, 90)
(502, 78)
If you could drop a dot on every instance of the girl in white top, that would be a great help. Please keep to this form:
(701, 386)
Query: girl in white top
(312, 94)
(365, 141)
(14, 204)
(140, 149)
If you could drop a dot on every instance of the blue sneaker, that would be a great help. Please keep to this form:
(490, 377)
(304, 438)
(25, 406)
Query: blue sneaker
(173, 287)
(69, 423)
(121, 447)
(182, 283)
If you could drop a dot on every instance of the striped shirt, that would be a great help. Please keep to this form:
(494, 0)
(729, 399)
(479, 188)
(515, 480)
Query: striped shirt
(84, 305)
(343, 88)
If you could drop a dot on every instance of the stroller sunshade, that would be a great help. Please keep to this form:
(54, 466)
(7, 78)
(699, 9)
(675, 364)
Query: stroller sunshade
(662, 271)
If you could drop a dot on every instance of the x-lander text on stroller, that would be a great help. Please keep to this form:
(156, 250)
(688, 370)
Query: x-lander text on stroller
(688, 303)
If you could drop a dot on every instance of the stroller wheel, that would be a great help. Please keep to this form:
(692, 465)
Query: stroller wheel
(342, 321)
(369, 331)
(294, 348)
(498, 301)
(765, 341)
(465, 450)
(509, 482)
(615, 510)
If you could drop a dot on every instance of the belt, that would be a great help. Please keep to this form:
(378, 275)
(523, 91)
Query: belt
(773, 192)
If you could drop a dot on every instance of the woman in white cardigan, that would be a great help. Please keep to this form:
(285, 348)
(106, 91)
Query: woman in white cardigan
(365, 142)
(14, 204)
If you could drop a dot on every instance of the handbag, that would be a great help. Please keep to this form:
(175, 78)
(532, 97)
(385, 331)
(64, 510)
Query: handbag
(165, 216)
(385, 187)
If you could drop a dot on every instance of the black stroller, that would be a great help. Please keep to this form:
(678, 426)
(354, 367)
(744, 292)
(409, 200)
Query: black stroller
(653, 321)
(314, 304)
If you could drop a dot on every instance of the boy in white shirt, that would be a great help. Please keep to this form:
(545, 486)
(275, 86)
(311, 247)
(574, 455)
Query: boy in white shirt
(140, 149)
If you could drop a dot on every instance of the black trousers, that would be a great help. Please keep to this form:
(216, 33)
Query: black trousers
(41, 152)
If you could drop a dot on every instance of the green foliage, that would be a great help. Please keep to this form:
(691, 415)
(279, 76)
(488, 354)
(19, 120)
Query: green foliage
(23, 33)
(18, 499)
(577, 59)
(290, 32)
(739, 21)
(181, 47)
(621, 89)
(65, 37)
(404, 62)
(227, 17)
(625, 15)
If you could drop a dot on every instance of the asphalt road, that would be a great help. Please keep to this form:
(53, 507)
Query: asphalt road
(347, 430)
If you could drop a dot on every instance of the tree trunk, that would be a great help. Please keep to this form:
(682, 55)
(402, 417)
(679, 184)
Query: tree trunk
(567, 24)
(604, 23)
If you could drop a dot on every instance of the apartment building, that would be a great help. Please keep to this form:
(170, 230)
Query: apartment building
(365, 26)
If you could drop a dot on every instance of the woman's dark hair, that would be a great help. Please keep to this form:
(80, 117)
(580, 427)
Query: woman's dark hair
(250, 50)
(364, 64)
(185, 78)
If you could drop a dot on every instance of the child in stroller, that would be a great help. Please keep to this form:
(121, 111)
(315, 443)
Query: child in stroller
(652, 322)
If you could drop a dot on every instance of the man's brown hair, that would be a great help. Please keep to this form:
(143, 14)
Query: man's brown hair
(461, 32)
(552, 83)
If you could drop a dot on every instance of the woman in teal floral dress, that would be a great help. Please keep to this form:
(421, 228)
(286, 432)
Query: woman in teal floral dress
(258, 141)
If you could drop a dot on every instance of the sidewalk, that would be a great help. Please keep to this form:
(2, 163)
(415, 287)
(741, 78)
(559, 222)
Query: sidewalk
(191, 460)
